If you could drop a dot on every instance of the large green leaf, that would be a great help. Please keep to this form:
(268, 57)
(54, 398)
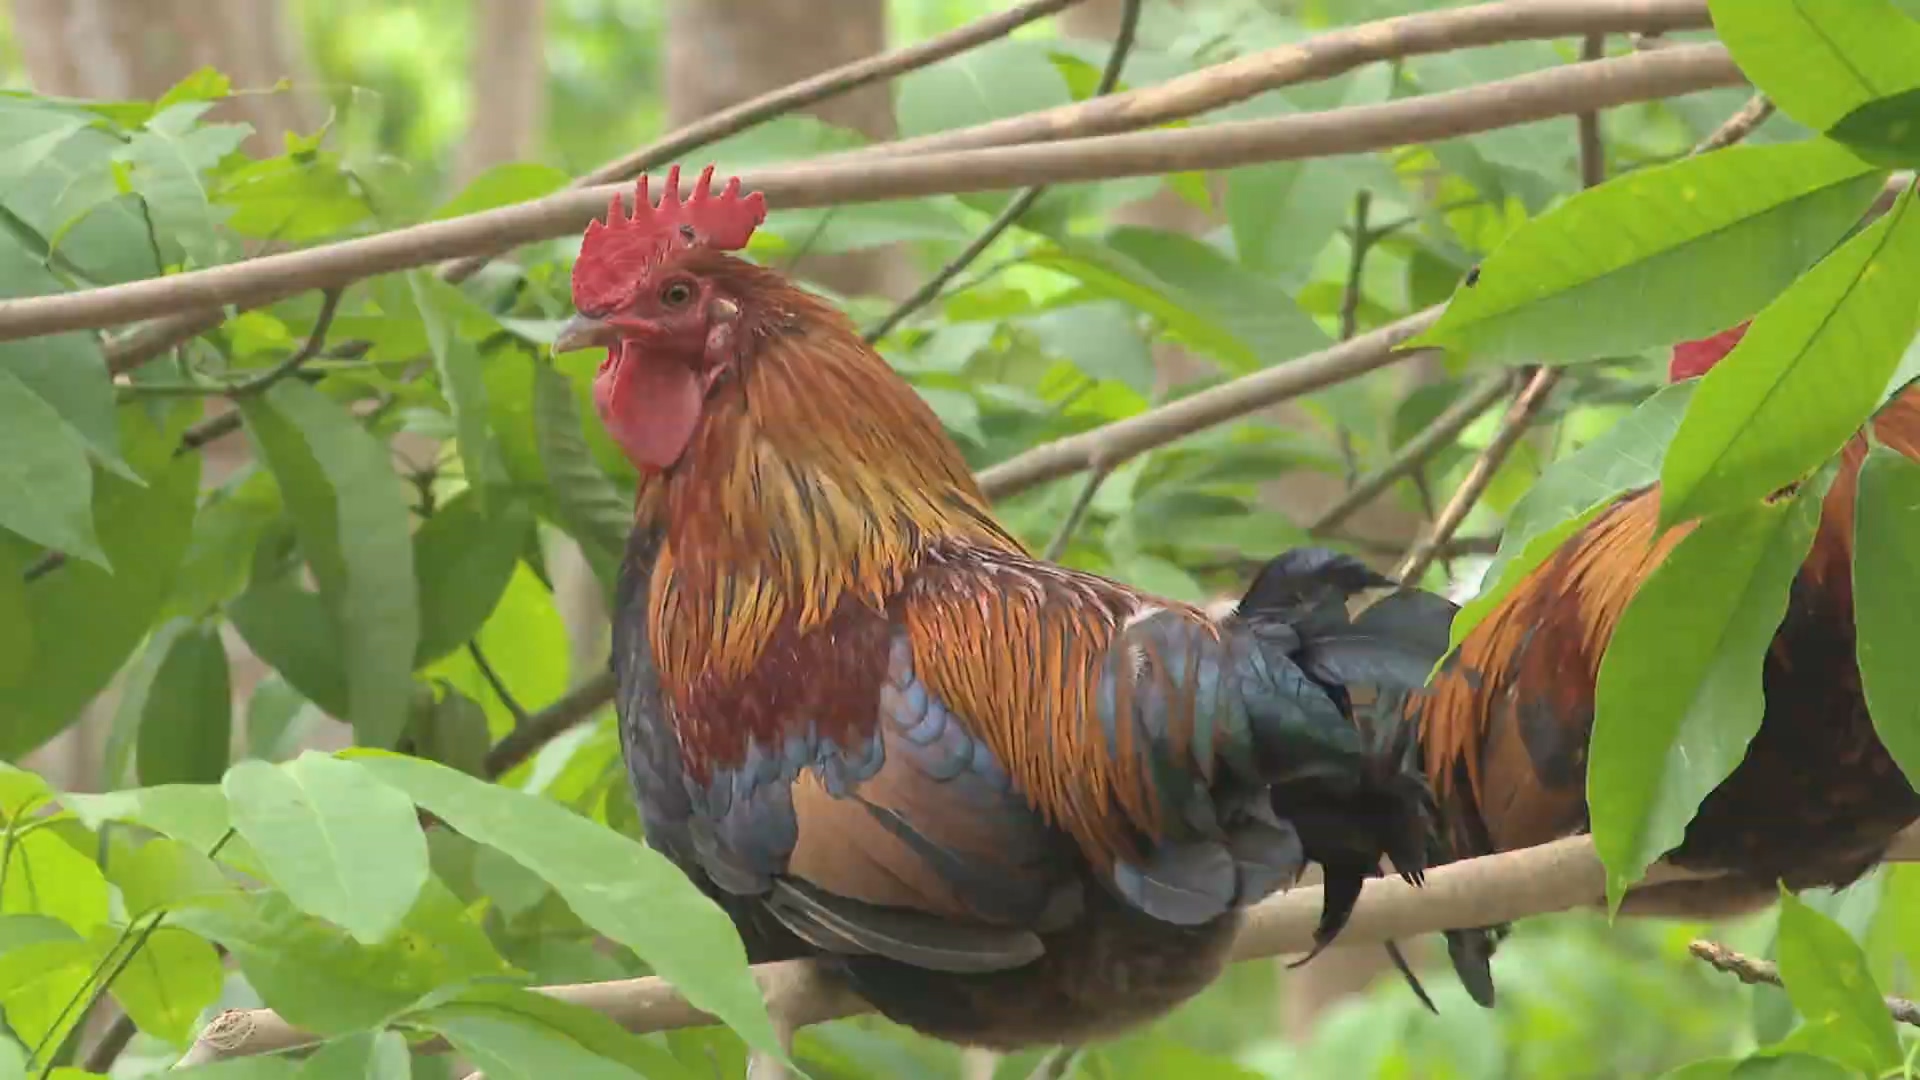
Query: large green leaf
(1820, 61)
(350, 512)
(1659, 255)
(513, 1032)
(168, 157)
(322, 980)
(40, 454)
(525, 642)
(590, 508)
(1679, 693)
(46, 876)
(1626, 457)
(342, 844)
(1197, 294)
(1885, 131)
(1826, 975)
(1886, 573)
(504, 184)
(464, 556)
(1808, 373)
(186, 716)
(365, 1055)
(167, 982)
(87, 620)
(462, 379)
(619, 886)
(291, 629)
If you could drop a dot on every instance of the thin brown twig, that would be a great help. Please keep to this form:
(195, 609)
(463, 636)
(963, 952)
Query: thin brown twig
(1526, 405)
(1738, 126)
(791, 98)
(1593, 149)
(1537, 96)
(1757, 972)
(544, 726)
(1017, 206)
(1075, 514)
(1415, 452)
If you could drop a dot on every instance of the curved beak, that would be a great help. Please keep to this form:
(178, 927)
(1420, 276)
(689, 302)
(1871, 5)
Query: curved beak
(582, 332)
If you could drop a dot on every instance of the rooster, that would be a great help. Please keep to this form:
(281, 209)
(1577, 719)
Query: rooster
(1815, 802)
(1009, 803)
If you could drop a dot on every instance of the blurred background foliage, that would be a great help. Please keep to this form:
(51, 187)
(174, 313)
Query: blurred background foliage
(1112, 297)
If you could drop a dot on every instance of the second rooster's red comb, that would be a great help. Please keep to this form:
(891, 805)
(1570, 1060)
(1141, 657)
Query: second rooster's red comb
(724, 222)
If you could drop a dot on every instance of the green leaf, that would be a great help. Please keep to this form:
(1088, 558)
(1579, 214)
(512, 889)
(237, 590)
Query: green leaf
(364, 1055)
(46, 876)
(462, 379)
(1808, 373)
(165, 873)
(167, 158)
(590, 508)
(1679, 694)
(262, 1067)
(16, 627)
(464, 556)
(167, 982)
(21, 789)
(39, 453)
(1885, 131)
(1764, 1065)
(204, 84)
(1689, 248)
(1000, 79)
(1101, 339)
(350, 512)
(186, 722)
(343, 845)
(619, 886)
(1826, 975)
(1199, 295)
(37, 982)
(296, 198)
(524, 640)
(1819, 62)
(502, 185)
(513, 1032)
(452, 730)
(1571, 490)
(194, 814)
(322, 980)
(1886, 571)
(86, 620)
(291, 629)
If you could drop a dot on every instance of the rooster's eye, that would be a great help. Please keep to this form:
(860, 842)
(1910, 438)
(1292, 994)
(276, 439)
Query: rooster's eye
(676, 294)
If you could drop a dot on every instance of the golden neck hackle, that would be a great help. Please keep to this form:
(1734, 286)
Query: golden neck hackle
(817, 475)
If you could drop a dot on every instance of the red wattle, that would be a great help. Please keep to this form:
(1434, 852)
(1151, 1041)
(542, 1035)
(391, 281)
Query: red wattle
(650, 406)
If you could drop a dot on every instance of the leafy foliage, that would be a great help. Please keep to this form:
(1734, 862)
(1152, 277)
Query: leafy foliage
(388, 568)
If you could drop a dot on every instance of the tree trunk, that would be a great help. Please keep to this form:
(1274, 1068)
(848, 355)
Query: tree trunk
(508, 78)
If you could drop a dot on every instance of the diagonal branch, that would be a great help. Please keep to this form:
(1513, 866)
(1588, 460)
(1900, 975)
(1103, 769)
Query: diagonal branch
(1755, 972)
(1571, 88)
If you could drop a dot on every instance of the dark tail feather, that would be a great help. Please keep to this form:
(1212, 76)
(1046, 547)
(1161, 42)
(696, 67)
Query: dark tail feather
(1371, 666)
(1413, 981)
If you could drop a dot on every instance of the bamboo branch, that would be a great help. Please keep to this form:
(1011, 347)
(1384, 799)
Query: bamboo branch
(1754, 971)
(1571, 88)
(1554, 877)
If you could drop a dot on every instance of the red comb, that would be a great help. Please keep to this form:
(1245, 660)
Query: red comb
(1692, 358)
(616, 254)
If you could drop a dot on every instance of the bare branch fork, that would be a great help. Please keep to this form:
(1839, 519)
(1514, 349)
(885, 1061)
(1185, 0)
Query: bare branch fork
(1559, 876)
